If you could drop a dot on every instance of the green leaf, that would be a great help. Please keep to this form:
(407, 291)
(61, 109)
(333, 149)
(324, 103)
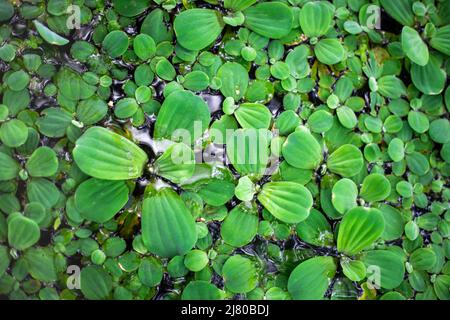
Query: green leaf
(346, 161)
(40, 264)
(9, 168)
(42, 191)
(301, 150)
(42, 163)
(417, 163)
(400, 10)
(92, 110)
(198, 28)
(440, 40)
(7, 10)
(429, 79)
(414, 47)
(418, 121)
(13, 133)
(72, 86)
(130, 8)
(347, 117)
(329, 51)
(311, 278)
(385, 267)
(201, 290)
(244, 219)
(125, 108)
(54, 122)
(316, 18)
(50, 36)
(353, 269)
(5, 259)
(253, 115)
(106, 155)
(359, 228)
(168, 228)
(182, 112)
(234, 79)
(195, 260)
(289, 202)
(396, 150)
(96, 283)
(217, 192)
(196, 81)
(99, 200)
(423, 259)
(115, 43)
(177, 163)
(375, 187)
(238, 5)
(239, 274)
(439, 130)
(441, 286)
(245, 189)
(394, 222)
(315, 230)
(269, 19)
(391, 87)
(165, 70)
(18, 80)
(344, 195)
(22, 231)
(248, 151)
(150, 272)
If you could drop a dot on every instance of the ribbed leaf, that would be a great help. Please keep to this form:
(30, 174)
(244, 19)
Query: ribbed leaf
(106, 155)
(9, 168)
(42, 163)
(386, 266)
(311, 278)
(289, 202)
(301, 150)
(400, 10)
(198, 28)
(270, 19)
(40, 264)
(239, 274)
(316, 18)
(253, 115)
(441, 40)
(359, 228)
(344, 195)
(429, 79)
(182, 112)
(99, 200)
(329, 51)
(414, 47)
(42, 191)
(201, 290)
(168, 228)
(234, 79)
(177, 163)
(315, 229)
(248, 151)
(22, 232)
(96, 283)
(346, 161)
(243, 219)
(375, 187)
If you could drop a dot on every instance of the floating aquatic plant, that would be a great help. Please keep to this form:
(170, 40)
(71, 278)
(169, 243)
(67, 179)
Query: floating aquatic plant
(170, 149)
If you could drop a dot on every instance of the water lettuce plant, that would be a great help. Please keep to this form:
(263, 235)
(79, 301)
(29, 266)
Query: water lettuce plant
(235, 149)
